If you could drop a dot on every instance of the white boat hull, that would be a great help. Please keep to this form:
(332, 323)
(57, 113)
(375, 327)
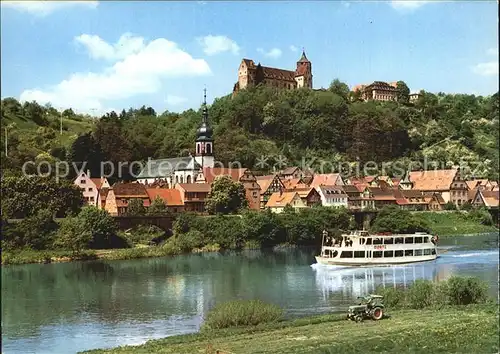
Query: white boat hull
(374, 261)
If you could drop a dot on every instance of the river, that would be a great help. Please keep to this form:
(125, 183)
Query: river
(69, 307)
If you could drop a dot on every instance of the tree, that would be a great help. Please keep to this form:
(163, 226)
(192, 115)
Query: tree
(136, 207)
(101, 224)
(339, 88)
(26, 196)
(73, 234)
(403, 92)
(393, 219)
(226, 196)
(36, 232)
(157, 207)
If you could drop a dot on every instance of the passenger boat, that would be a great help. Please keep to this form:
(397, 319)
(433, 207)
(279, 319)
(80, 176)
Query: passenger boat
(361, 248)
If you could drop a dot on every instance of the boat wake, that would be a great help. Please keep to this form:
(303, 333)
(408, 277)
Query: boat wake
(475, 254)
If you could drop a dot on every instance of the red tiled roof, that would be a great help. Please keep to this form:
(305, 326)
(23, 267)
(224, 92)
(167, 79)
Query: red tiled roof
(280, 199)
(265, 181)
(327, 179)
(211, 172)
(195, 187)
(289, 170)
(97, 182)
(433, 180)
(129, 190)
(171, 197)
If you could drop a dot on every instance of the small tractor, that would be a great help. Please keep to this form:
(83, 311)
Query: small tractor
(371, 306)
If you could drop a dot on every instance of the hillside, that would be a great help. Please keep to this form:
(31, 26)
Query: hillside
(320, 127)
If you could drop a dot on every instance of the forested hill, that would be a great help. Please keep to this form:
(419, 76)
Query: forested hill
(298, 124)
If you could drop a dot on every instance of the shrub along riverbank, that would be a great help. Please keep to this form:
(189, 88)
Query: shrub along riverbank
(461, 320)
(93, 235)
(458, 223)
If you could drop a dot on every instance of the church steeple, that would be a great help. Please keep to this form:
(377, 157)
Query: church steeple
(303, 73)
(204, 139)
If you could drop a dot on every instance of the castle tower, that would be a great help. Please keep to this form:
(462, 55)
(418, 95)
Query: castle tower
(303, 73)
(204, 141)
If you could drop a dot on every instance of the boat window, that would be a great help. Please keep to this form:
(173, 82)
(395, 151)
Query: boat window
(427, 252)
(426, 239)
(369, 241)
(377, 254)
(359, 254)
(388, 254)
(346, 254)
(362, 241)
(398, 253)
(433, 251)
(408, 239)
(388, 241)
(418, 239)
(377, 241)
(398, 240)
(417, 252)
(408, 253)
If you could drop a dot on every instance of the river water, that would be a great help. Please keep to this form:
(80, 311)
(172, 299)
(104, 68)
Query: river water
(69, 307)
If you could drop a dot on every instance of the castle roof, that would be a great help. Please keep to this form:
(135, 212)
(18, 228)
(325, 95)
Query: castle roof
(278, 74)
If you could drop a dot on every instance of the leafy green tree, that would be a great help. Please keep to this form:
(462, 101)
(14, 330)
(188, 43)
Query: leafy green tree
(226, 196)
(393, 219)
(101, 225)
(73, 235)
(136, 207)
(339, 88)
(157, 207)
(403, 92)
(36, 231)
(25, 196)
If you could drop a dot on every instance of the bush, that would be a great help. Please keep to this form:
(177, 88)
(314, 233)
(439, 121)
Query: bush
(144, 234)
(393, 297)
(482, 216)
(465, 291)
(424, 293)
(242, 313)
(450, 206)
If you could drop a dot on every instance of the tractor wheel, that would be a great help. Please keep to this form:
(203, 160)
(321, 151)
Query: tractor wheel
(377, 313)
(358, 319)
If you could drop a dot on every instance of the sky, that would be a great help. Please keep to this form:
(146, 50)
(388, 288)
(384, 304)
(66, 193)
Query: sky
(97, 56)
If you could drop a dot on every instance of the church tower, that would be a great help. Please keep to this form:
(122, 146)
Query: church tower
(303, 73)
(204, 141)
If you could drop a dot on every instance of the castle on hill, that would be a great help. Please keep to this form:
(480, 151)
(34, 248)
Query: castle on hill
(250, 75)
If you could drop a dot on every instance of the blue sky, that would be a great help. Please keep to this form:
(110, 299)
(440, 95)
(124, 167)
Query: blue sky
(97, 56)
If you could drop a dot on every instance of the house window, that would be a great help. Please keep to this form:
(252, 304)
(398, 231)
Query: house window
(91, 199)
(90, 189)
(82, 181)
(188, 179)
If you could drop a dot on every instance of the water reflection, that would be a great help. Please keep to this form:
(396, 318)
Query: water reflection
(64, 308)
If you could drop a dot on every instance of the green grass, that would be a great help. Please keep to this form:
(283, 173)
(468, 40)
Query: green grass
(454, 223)
(465, 329)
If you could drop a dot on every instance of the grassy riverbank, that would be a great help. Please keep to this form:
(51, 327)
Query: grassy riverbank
(466, 329)
(455, 223)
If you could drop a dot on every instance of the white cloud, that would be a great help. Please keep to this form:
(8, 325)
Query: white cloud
(218, 44)
(493, 51)
(98, 48)
(141, 71)
(175, 100)
(486, 69)
(44, 8)
(293, 48)
(408, 5)
(273, 53)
